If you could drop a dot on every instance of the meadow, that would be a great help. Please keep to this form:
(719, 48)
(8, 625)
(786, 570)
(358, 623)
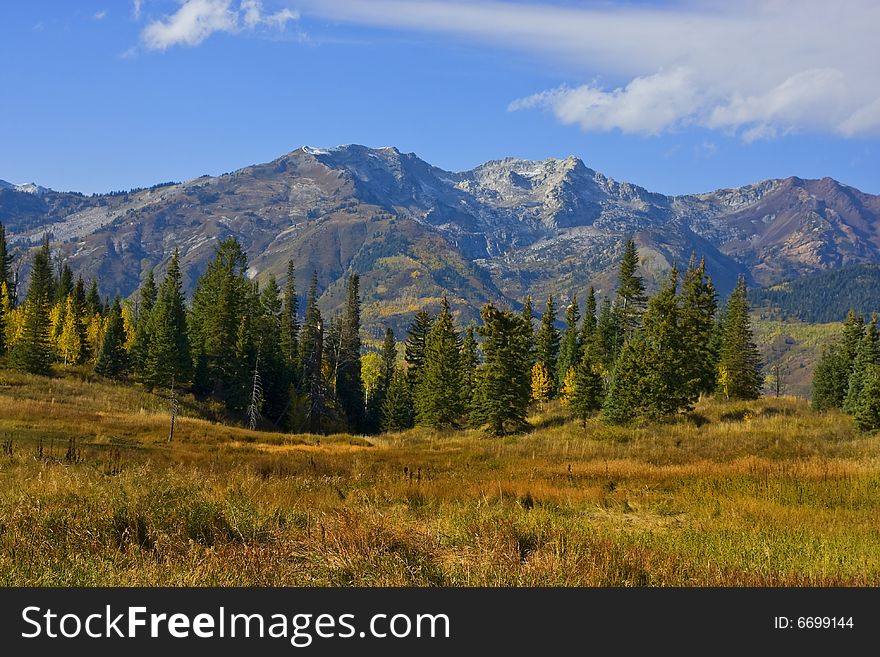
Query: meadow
(764, 493)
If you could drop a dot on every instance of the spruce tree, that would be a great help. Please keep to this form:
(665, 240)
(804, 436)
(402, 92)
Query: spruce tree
(146, 302)
(33, 350)
(112, 360)
(311, 356)
(397, 407)
(528, 317)
(388, 357)
(290, 321)
(438, 399)
(93, 300)
(830, 382)
(632, 381)
(502, 399)
(568, 346)
(585, 397)
(547, 342)
(866, 413)
(470, 362)
(349, 385)
(5, 265)
(607, 338)
(274, 374)
(739, 362)
(867, 354)
(64, 284)
(588, 327)
(414, 346)
(699, 305)
(168, 355)
(630, 300)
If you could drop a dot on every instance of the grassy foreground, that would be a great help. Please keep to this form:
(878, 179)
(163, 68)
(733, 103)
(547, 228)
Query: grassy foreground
(764, 494)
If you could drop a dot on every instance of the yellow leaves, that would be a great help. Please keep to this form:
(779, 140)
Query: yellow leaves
(95, 330)
(724, 380)
(69, 343)
(568, 385)
(128, 324)
(542, 384)
(371, 372)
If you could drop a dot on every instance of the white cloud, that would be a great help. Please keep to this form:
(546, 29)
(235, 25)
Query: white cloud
(196, 20)
(136, 8)
(758, 68)
(99, 15)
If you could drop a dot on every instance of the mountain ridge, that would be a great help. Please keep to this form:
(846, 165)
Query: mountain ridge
(416, 232)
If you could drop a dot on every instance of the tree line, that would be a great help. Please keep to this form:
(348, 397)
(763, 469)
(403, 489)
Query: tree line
(847, 377)
(248, 346)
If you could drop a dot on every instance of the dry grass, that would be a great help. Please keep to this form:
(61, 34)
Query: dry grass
(760, 494)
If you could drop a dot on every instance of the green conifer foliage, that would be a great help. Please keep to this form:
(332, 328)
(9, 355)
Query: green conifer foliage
(414, 346)
(311, 356)
(867, 354)
(739, 363)
(504, 380)
(569, 348)
(168, 354)
(630, 300)
(113, 359)
(699, 305)
(33, 351)
(349, 385)
(397, 407)
(587, 391)
(547, 342)
(438, 399)
(866, 413)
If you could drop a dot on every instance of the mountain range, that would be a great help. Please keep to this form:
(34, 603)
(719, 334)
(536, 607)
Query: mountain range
(415, 232)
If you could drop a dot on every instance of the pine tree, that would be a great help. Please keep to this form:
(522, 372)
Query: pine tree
(275, 377)
(698, 308)
(529, 319)
(569, 349)
(290, 322)
(739, 362)
(147, 300)
(349, 386)
(630, 301)
(112, 360)
(388, 358)
(588, 327)
(866, 413)
(64, 284)
(502, 398)
(547, 343)
(632, 382)
(470, 363)
(867, 354)
(414, 346)
(607, 338)
(5, 264)
(311, 345)
(397, 407)
(438, 400)
(168, 355)
(585, 396)
(32, 352)
(829, 380)
(93, 300)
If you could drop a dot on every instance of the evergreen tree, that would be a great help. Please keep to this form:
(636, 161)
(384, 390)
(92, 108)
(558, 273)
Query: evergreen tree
(588, 327)
(585, 396)
(64, 284)
(739, 362)
(223, 295)
(112, 360)
(470, 362)
(698, 308)
(502, 399)
(630, 301)
(147, 300)
(568, 347)
(853, 330)
(5, 264)
(866, 413)
(273, 371)
(529, 319)
(349, 385)
(830, 382)
(93, 300)
(388, 363)
(633, 379)
(290, 322)
(867, 354)
(168, 355)
(438, 399)
(311, 356)
(606, 340)
(547, 342)
(397, 407)
(32, 352)
(414, 346)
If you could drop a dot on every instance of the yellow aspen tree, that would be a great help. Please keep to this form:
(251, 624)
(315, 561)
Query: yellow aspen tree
(70, 345)
(542, 384)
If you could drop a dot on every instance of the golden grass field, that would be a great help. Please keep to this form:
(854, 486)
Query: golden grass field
(741, 494)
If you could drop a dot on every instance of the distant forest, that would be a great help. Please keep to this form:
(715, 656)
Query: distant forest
(823, 297)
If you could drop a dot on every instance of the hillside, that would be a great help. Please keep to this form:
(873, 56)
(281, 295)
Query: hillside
(822, 297)
(416, 232)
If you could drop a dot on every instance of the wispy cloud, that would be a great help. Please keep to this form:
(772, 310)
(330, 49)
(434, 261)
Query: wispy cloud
(756, 68)
(196, 20)
(136, 7)
(100, 15)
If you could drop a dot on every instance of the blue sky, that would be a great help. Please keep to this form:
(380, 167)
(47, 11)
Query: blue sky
(676, 96)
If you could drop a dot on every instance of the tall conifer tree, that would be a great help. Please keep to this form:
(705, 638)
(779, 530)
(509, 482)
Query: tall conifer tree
(33, 350)
(569, 348)
(739, 362)
(168, 356)
(547, 342)
(349, 385)
(438, 399)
